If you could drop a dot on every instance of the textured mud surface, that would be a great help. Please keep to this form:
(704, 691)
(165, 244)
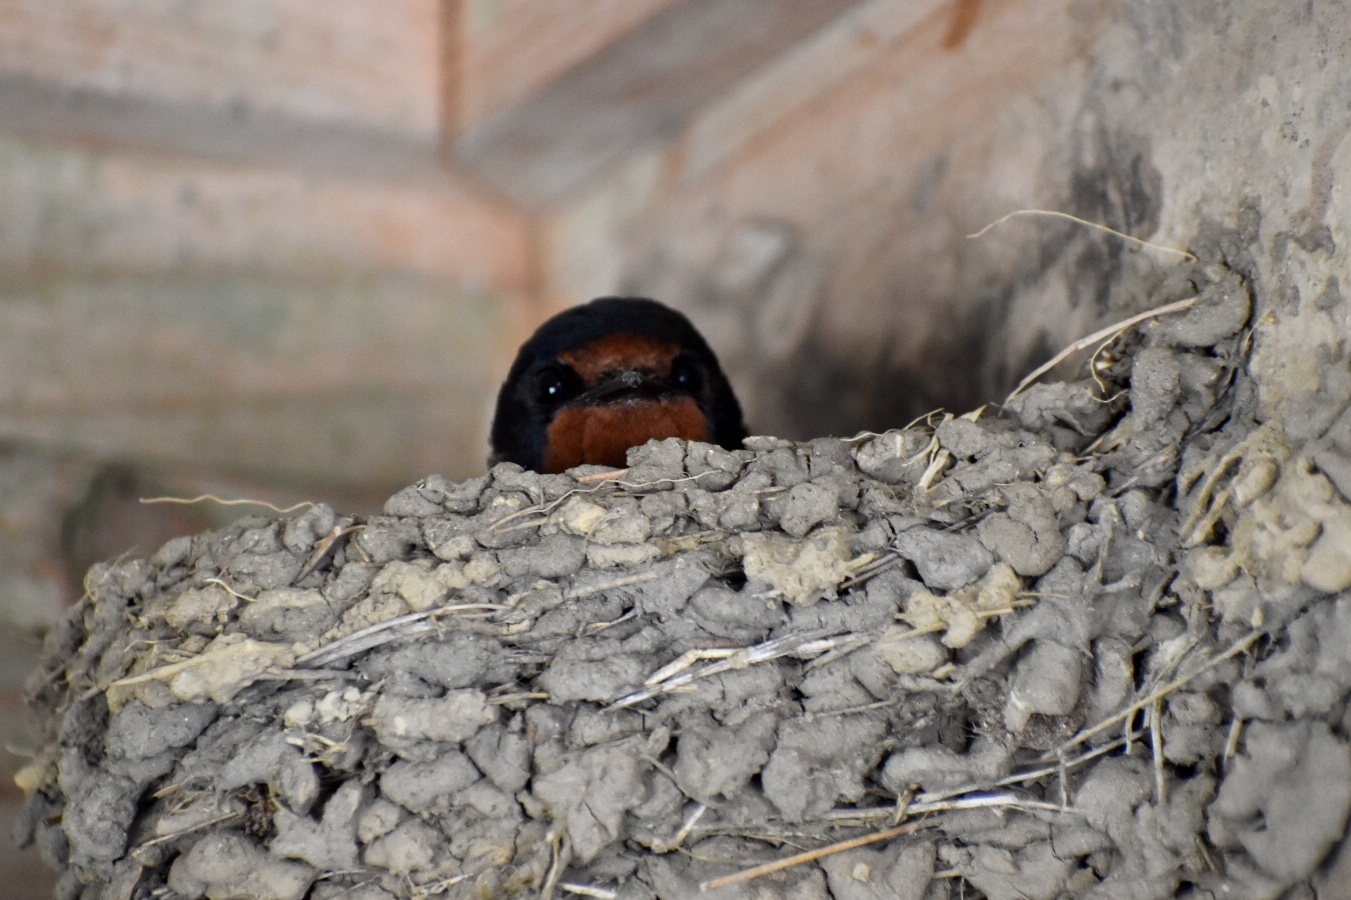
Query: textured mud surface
(1096, 643)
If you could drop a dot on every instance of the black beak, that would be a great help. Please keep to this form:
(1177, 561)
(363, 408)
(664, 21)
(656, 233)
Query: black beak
(627, 385)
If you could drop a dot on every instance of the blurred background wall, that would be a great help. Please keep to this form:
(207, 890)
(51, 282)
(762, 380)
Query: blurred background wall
(285, 249)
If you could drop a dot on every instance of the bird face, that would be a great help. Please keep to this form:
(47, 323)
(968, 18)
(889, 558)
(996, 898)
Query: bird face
(615, 373)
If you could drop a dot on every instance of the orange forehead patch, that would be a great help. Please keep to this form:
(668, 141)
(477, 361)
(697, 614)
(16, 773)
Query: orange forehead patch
(602, 435)
(618, 353)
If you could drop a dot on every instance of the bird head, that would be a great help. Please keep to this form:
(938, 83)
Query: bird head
(611, 374)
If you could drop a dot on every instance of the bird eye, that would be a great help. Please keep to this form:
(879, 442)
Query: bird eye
(685, 374)
(556, 385)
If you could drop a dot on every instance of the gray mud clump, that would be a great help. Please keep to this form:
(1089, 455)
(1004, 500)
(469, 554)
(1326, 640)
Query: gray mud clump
(1094, 643)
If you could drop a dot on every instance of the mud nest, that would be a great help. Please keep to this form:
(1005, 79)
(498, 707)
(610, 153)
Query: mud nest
(1092, 643)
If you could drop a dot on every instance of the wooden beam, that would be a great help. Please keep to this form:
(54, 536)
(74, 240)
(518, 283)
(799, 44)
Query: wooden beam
(632, 92)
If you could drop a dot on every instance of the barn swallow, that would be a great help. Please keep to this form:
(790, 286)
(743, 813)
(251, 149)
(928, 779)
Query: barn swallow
(611, 374)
